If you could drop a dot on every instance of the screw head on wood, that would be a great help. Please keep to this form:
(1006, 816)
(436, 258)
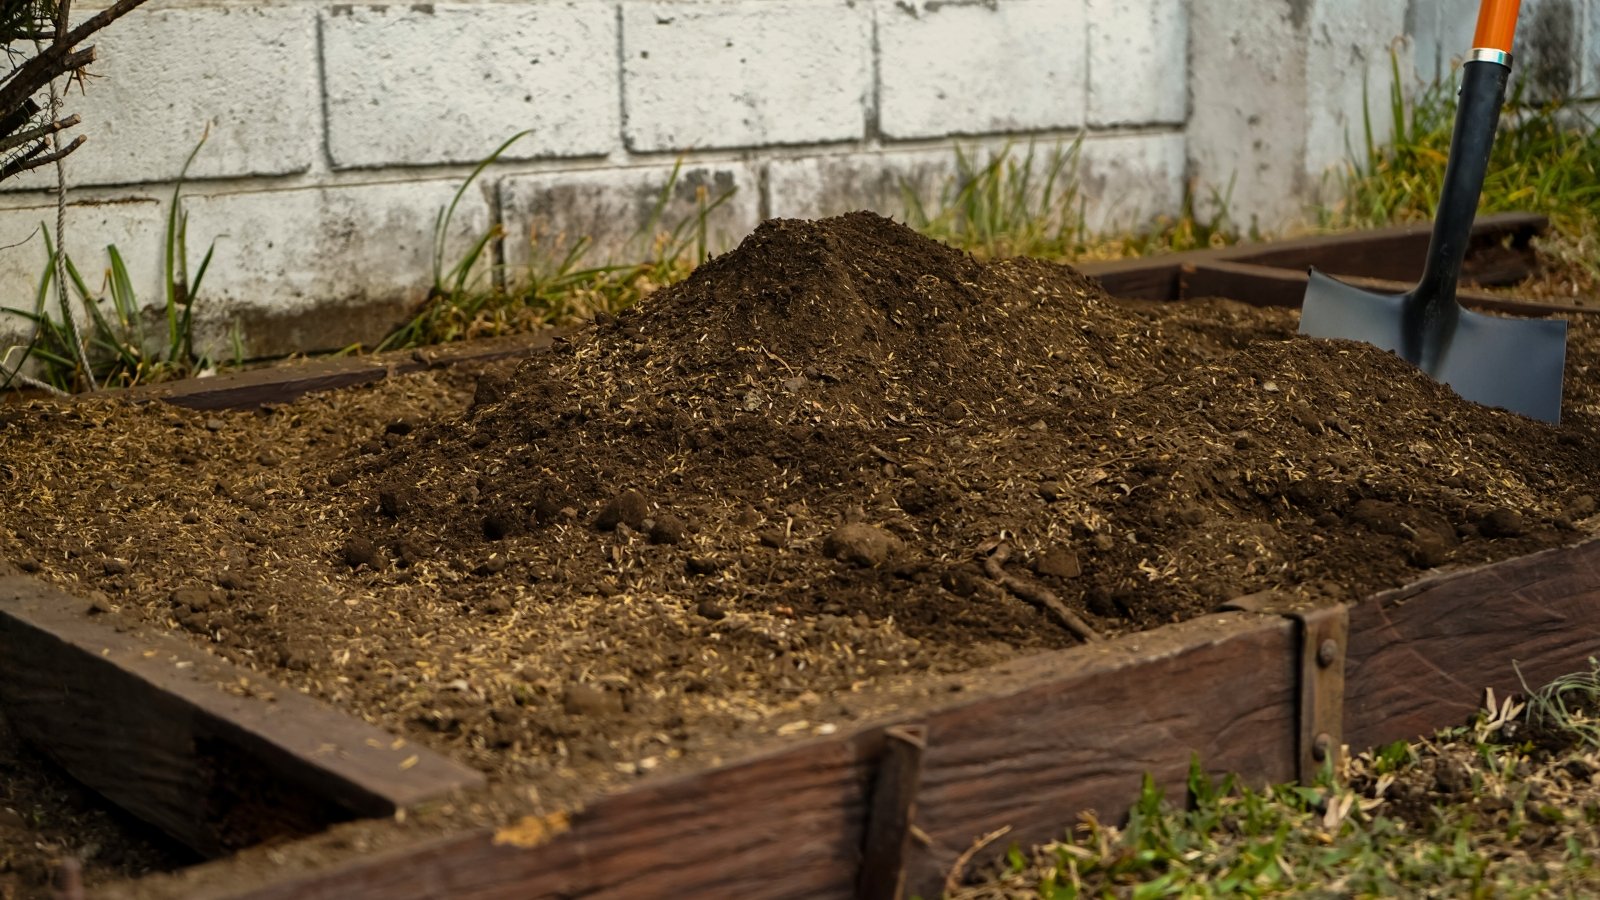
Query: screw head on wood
(1321, 746)
(1327, 653)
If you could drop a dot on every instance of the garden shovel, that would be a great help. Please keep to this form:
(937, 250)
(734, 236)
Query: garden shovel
(1515, 364)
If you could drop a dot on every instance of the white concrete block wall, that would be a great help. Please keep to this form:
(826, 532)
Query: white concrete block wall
(974, 67)
(427, 84)
(704, 74)
(1350, 62)
(621, 212)
(1558, 43)
(1138, 62)
(1590, 82)
(338, 130)
(247, 73)
(1127, 178)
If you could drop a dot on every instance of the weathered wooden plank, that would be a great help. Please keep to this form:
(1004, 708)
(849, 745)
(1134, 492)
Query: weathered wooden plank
(1390, 253)
(1268, 286)
(1094, 722)
(145, 720)
(787, 824)
(1420, 657)
(890, 816)
(1395, 253)
(1145, 278)
(1052, 736)
(284, 383)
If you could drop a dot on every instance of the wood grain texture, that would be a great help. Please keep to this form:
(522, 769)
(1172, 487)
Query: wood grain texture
(1082, 737)
(1055, 735)
(1391, 253)
(1268, 286)
(783, 825)
(284, 383)
(1420, 657)
(889, 818)
(143, 720)
(1396, 253)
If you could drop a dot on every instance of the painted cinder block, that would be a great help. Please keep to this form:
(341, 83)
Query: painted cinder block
(133, 222)
(1121, 181)
(248, 73)
(1590, 83)
(703, 74)
(1127, 180)
(974, 67)
(890, 183)
(1138, 61)
(624, 213)
(1351, 51)
(293, 252)
(1557, 50)
(429, 83)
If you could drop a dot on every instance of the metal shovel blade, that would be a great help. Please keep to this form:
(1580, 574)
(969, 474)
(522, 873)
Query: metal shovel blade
(1514, 364)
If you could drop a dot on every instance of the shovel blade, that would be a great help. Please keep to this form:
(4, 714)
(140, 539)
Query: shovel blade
(1513, 364)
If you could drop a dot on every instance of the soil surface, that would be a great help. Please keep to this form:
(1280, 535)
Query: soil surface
(833, 462)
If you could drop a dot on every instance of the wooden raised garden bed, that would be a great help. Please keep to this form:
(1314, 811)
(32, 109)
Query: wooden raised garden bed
(1268, 687)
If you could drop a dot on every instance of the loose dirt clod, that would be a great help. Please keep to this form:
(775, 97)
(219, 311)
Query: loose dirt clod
(1006, 459)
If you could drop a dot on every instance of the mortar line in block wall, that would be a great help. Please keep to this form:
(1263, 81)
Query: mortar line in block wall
(872, 130)
(325, 121)
(158, 191)
(622, 82)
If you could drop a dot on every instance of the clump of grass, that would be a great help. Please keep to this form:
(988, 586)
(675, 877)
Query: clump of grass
(562, 285)
(1546, 159)
(1479, 811)
(121, 350)
(1030, 202)
(1568, 708)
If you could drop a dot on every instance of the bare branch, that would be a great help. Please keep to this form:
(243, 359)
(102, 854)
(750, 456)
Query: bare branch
(53, 62)
(33, 134)
(33, 159)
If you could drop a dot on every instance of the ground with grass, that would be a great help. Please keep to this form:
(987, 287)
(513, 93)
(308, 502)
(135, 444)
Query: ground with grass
(824, 477)
(1508, 806)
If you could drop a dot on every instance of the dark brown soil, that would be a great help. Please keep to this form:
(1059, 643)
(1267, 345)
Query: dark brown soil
(775, 492)
(46, 818)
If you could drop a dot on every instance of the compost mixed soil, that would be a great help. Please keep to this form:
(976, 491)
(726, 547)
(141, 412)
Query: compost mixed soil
(834, 464)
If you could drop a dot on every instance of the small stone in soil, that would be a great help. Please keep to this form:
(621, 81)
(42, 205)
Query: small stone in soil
(1428, 550)
(396, 501)
(710, 609)
(1581, 506)
(1502, 522)
(628, 508)
(196, 599)
(358, 552)
(1060, 562)
(701, 565)
(860, 544)
(667, 529)
(585, 700)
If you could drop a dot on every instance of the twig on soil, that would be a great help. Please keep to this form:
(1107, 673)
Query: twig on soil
(1038, 595)
(953, 880)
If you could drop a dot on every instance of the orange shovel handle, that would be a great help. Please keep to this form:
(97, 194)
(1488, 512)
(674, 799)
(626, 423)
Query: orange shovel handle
(1497, 25)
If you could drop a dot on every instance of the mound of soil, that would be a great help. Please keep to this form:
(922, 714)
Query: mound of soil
(833, 462)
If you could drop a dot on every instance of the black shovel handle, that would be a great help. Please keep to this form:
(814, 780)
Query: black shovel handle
(1483, 89)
